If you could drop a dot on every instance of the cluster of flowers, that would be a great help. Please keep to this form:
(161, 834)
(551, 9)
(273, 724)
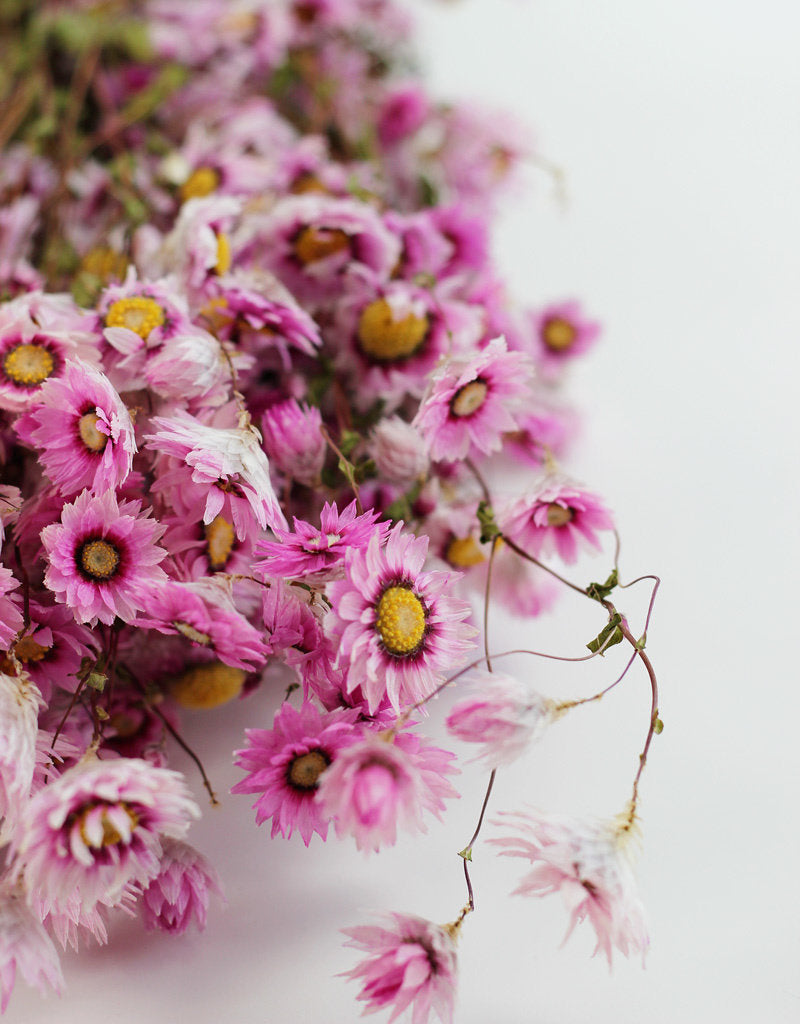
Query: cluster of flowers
(254, 361)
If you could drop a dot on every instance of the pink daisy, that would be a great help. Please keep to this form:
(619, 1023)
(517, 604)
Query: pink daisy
(52, 647)
(26, 947)
(561, 332)
(318, 551)
(180, 891)
(410, 962)
(397, 628)
(82, 430)
(555, 518)
(204, 613)
(471, 402)
(383, 782)
(97, 830)
(227, 462)
(284, 764)
(503, 716)
(588, 863)
(102, 557)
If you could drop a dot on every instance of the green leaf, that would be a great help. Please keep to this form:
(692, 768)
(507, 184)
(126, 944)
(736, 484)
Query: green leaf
(97, 681)
(466, 853)
(658, 727)
(609, 635)
(600, 591)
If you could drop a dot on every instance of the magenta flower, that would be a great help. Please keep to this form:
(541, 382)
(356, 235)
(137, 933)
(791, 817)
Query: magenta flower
(293, 440)
(82, 430)
(410, 962)
(503, 716)
(383, 782)
(204, 613)
(561, 332)
(587, 862)
(472, 401)
(229, 462)
(102, 557)
(97, 830)
(26, 947)
(284, 764)
(555, 518)
(11, 619)
(397, 628)
(318, 551)
(52, 647)
(180, 891)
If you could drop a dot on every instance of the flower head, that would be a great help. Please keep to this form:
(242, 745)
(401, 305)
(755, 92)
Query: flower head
(180, 891)
(293, 440)
(561, 332)
(397, 627)
(25, 946)
(410, 962)
(103, 555)
(587, 862)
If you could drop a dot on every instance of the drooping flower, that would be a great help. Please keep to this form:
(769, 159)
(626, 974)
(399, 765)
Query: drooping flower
(503, 716)
(397, 628)
(96, 830)
(25, 946)
(293, 440)
(588, 863)
(384, 782)
(318, 551)
(181, 890)
(472, 402)
(410, 962)
(82, 430)
(228, 462)
(399, 450)
(102, 557)
(284, 764)
(554, 518)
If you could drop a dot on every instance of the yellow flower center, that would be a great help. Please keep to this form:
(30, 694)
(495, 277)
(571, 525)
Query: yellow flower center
(223, 264)
(384, 338)
(28, 364)
(105, 264)
(401, 621)
(304, 771)
(208, 686)
(111, 835)
(28, 650)
(307, 182)
(312, 244)
(189, 631)
(558, 515)
(138, 313)
(558, 334)
(464, 552)
(99, 559)
(94, 439)
(469, 399)
(201, 182)
(220, 538)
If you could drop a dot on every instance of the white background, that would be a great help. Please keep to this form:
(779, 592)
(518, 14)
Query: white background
(677, 126)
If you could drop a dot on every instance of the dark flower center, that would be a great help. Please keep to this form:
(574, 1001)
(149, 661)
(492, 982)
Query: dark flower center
(98, 559)
(304, 770)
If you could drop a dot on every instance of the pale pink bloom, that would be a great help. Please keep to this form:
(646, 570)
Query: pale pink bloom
(191, 365)
(400, 453)
(561, 331)
(397, 627)
(384, 782)
(102, 557)
(204, 613)
(96, 830)
(318, 551)
(20, 702)
(555, 517)
(11, 619)
(504, 716)
(472, 402)
(284, 764)
(588, 863)
(226, 461)
(82, 430)
(180, 891)
(25, 946)
(410, 962)
(293, 440)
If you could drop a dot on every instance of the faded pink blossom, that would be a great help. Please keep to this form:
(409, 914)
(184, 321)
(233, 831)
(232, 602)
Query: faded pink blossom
(25, 946)
(181, 890)
(588, 863)
(410, 962)
(400, 453)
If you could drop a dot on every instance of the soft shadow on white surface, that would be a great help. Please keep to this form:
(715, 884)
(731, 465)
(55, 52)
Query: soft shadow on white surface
(679, 133)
